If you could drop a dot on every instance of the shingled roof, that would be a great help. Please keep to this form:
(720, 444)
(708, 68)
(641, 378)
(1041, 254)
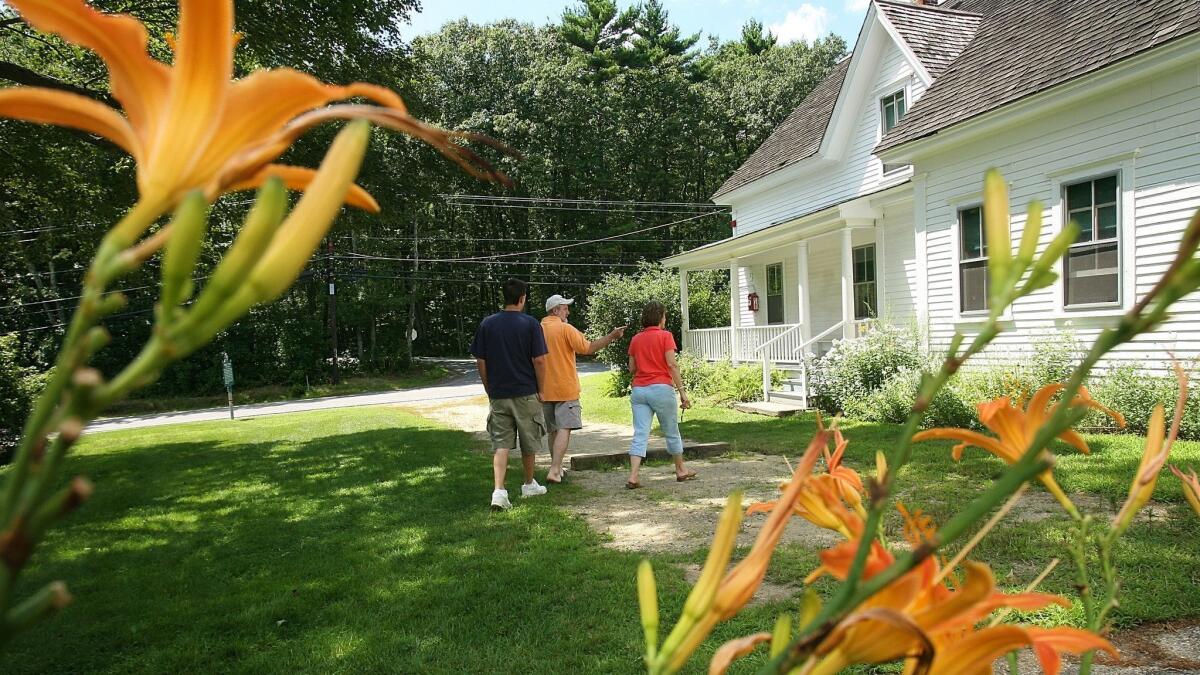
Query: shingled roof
(797, 137)
(1023, 47)
(935, 35)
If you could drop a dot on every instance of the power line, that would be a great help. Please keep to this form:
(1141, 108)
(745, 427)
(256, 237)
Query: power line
(454, 198)
(590, 241)
(363, 256)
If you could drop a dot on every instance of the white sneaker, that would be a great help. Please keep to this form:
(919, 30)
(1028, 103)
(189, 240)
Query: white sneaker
(532, 489)
(500, 500)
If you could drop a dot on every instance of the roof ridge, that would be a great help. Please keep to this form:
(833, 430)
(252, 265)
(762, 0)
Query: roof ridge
(933, 8)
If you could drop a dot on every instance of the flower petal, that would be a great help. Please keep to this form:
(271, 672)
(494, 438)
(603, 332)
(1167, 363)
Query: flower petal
(199, 84)
(977, 587)
(1074, 439)
(138, 81)
(967, 437)
(975, 652)
(733, 650)
(298, 178)
(1047, 642)
(64, 109)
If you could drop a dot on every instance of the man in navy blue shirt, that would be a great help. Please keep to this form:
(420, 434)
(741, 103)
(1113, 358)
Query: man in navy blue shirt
(510, 352)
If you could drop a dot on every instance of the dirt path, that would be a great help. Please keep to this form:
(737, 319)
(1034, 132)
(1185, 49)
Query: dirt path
(666, 516)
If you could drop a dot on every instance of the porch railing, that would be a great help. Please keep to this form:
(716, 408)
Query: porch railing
(777, 342)
(712, 344)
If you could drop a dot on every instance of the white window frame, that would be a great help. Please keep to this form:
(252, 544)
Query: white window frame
(767, 293)
(902, 85)
(959, 261)
(874, 281)
(1123, 167)
(956, 204)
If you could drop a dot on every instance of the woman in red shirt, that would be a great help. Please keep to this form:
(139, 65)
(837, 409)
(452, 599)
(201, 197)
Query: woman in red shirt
(655, 381)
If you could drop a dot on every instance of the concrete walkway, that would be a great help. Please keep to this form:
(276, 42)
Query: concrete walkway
(462, 383)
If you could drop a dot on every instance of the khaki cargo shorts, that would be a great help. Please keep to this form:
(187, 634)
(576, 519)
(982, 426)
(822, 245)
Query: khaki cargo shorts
(513, 418)
(562, 415)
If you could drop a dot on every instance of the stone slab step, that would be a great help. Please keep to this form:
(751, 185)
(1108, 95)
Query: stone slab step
(690, 451)
(770, 408)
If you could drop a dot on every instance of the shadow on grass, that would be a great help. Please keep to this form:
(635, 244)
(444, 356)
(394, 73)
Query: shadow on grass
(324, 551)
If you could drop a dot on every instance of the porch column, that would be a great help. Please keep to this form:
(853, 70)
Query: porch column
(847, 285)
(802, 291)
(683, 304)
(735, 310)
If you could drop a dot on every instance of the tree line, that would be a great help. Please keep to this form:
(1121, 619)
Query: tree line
(611, 113)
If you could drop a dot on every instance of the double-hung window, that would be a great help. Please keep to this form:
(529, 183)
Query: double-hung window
(891, 110)
(1092, 266)
(972, 261)
(775, 293)
(866, 304)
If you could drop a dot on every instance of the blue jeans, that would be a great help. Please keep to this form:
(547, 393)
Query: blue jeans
(655, 399)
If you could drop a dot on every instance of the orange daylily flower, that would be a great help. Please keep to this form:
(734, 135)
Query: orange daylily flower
(1191, 487)
(916, 619)
(188, 125)
(1015, 429)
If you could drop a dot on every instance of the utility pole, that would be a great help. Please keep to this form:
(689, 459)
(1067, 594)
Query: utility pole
(333, 328)
(412, 292)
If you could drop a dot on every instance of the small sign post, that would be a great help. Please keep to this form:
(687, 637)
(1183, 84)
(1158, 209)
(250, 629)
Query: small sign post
(227, 372)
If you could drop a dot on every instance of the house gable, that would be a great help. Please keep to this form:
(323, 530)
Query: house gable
(842, 167)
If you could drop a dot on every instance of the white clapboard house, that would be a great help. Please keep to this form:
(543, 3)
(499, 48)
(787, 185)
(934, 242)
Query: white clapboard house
(864, 203)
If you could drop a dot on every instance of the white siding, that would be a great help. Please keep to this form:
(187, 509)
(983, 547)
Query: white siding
(860, 173)
(897, 265)
(1150, 131)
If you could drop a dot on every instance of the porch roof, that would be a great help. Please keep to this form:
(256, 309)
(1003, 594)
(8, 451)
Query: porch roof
(791, 229)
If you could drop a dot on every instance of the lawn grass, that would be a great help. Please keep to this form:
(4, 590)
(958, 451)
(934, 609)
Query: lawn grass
(1159, 558)
(417, 376)
(346, 541)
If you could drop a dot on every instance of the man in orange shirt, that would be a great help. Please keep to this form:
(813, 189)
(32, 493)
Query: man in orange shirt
(560, 390)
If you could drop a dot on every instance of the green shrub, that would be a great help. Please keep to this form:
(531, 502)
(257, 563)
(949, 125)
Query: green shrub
(720, 382)
(892, 402)
(19, 385)
(845, 376)
(1133, 392)
(618, 299)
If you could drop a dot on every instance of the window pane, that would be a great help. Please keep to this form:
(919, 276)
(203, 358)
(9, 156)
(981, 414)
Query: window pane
(1079, 195)
(1084, 220)
(900, 106)
(774, 279)
(889, 117)
(1106, 190)
(971, 233)
(864, 264)
(1092, 274)
(973, 286)
(864, 301)
(1106, 221)
(774, 309)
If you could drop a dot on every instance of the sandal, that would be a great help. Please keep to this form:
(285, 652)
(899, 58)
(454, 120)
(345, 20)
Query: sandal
(630, 485)
(551, 481)
(687, 476)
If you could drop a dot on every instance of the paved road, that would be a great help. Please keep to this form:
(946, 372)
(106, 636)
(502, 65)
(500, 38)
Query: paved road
(462, 383)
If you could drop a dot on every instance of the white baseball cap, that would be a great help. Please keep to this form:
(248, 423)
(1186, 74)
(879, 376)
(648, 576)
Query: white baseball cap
(556, 300)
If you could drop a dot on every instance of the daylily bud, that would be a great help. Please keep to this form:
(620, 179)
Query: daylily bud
(782, 634)
(183, 250)
(1191, 488)
(648, 602)
(1031, 234)
(1146, 477)
(995, 221)
(810, 607)
(299, 235)
(880, 466)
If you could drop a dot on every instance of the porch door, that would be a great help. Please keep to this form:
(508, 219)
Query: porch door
(866, 294)
(775, 293)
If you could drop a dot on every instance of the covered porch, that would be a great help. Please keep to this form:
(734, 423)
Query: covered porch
(799, 286)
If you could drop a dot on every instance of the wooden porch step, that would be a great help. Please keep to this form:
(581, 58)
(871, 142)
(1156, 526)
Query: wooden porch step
(769, 408)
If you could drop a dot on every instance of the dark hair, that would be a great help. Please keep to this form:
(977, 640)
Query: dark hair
(513, 290)
(652, 313)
